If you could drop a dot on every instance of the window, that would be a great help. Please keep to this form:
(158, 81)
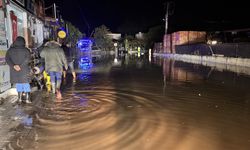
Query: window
(30, 5)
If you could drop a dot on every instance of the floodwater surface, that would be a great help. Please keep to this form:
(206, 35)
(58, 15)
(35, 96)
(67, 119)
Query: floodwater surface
(140, 105)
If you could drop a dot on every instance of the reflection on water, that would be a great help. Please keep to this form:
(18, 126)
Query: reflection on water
(84, 76)
(143, 106)
(187, 72)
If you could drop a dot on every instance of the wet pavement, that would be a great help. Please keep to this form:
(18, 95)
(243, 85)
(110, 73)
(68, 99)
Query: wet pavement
(136, 105)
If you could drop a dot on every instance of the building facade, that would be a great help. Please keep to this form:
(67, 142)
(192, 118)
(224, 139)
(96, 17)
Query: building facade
(19, 18)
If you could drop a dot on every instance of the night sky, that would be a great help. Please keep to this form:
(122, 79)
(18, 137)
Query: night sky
(210, 15)
(119, 16)
(131, 16)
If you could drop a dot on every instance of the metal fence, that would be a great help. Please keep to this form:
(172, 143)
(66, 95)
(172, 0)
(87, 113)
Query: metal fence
(241, 50)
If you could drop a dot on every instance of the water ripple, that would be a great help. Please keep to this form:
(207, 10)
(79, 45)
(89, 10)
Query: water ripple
(100, 118)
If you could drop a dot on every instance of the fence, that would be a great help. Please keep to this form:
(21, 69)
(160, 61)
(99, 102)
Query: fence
(241, 50)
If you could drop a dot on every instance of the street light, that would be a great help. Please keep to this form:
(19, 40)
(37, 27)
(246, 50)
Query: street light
(116, 53)
(149, 54)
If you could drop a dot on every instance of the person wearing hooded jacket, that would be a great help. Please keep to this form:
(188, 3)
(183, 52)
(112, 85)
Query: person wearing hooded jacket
(55, 60)
(18, 58)
(68, 51)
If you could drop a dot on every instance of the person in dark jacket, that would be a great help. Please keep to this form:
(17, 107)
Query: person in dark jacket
(55, 60)
(70, 60)
(18, 58)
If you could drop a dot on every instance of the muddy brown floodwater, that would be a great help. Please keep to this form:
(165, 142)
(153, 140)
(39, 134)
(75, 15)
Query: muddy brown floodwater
(141, 105)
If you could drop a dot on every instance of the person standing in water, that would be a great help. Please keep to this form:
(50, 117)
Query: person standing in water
(18, 58)
(55, 60)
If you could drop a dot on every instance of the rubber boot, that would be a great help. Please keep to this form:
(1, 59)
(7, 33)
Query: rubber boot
(27, 98)
(20, 94)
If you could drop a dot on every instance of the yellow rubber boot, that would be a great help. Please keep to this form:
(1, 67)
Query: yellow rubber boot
(48, 84)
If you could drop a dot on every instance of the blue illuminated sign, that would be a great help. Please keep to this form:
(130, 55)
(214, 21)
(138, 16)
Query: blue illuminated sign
(85, 63)
(84, 53)
(84, 44)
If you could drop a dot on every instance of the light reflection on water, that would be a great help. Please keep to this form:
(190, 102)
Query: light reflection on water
(177, 107)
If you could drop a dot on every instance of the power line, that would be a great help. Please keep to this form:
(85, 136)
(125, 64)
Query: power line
(84, 18)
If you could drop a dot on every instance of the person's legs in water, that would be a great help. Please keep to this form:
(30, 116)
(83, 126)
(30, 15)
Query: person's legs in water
(72, 69)
(19, 89)
(58, 84)
(53, 81)
(27, 90)
(64, 74)
(23, 88)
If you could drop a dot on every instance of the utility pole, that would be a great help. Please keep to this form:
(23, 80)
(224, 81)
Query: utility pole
(55, 10)
(166, 19)
(169, 11)
(54, 14)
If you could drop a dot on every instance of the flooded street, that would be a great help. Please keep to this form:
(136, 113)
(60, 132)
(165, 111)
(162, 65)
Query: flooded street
(141, 105)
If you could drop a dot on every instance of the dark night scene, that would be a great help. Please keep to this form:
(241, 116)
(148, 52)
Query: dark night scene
(124, 75)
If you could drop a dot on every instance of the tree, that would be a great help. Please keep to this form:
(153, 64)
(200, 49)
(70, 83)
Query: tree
(74, 34)
(155, 34)
(131, 43)
(102, 39)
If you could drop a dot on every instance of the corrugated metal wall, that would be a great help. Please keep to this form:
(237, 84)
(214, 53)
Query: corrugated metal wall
(241, 50)
(182, 37)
